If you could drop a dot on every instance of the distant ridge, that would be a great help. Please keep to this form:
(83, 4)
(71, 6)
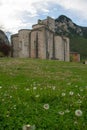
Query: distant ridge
(66, 26)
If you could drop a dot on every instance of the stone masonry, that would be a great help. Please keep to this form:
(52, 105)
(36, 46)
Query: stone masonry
(40, 42)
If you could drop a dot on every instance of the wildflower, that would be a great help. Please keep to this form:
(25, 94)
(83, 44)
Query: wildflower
(46, 106)
(63, 94)
(61, 113)
(71, 93)
(78, 113)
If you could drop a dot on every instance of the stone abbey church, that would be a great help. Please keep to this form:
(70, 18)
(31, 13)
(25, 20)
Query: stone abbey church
(40, 42)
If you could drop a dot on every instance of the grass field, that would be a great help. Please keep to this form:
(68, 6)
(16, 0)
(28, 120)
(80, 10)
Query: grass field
(47, 94)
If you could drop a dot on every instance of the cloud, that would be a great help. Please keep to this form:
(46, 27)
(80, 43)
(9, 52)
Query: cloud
(11, 13)
(77, 6)
(17, 14)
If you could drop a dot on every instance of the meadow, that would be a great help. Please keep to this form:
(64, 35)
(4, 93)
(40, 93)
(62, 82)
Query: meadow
(47, 94)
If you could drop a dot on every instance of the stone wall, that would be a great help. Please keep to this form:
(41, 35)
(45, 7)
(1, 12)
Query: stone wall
(42, 43)
(38, 26)
(23, 42)
(15, 45)
(67, 48)
(38, 44)
(61, 48)
(49, 44)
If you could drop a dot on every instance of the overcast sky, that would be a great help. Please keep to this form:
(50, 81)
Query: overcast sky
(19, 14)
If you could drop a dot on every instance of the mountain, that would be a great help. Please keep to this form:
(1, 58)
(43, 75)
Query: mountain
(3, 38)
(77, 34)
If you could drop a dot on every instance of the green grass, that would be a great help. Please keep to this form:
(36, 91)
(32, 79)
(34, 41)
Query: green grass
(26, 85)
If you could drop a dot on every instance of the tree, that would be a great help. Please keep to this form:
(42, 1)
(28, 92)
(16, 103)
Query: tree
(5, 49)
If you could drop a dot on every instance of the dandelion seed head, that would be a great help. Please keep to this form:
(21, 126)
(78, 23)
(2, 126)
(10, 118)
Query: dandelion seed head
(0, 87)
(27, 89)
(67, 111)
(53, 87)
(46, 106)
(81, 89)
(61, 113)
(78, 113)
(76, 86)
(78, 95)
(79, 101)
(63, 94)
(10, 96)
(34, 88)
(71, 93)
(75, 122)
(68, 83)
(37, 96)
(25, 127)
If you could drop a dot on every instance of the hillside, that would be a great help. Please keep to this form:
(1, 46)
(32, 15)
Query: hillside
(77, 34)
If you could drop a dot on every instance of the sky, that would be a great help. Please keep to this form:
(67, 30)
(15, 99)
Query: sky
(22, 14)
